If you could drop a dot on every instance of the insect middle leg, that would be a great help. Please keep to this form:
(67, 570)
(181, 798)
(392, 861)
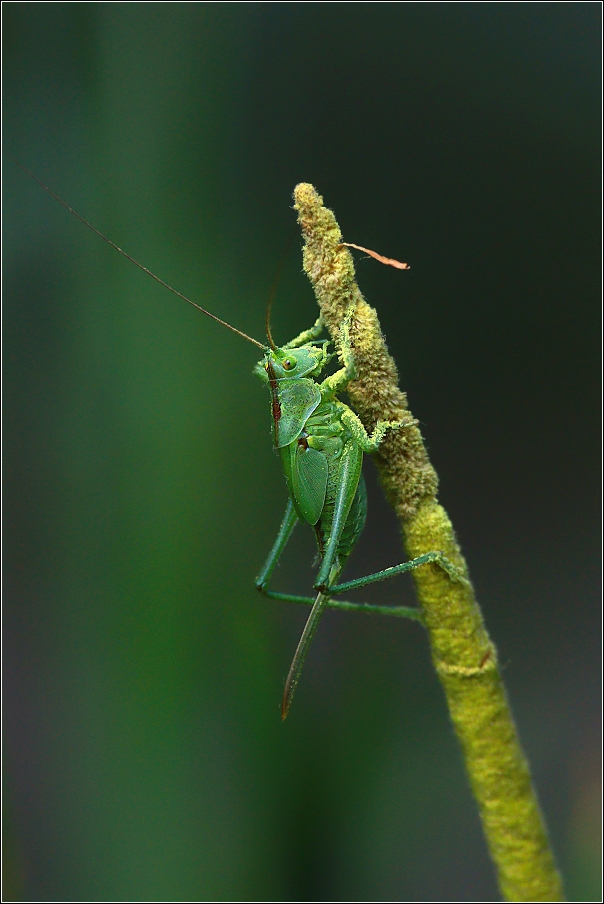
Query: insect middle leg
(290, 519)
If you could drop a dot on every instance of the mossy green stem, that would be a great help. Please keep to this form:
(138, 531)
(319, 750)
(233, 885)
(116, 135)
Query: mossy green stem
(463, 654)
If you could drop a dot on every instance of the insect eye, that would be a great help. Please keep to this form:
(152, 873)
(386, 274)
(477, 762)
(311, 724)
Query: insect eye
(289, 363)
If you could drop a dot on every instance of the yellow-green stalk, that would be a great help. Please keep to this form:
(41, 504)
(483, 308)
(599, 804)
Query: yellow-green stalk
(463, 654)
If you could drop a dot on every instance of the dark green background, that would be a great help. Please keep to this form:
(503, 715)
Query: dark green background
(144, 757)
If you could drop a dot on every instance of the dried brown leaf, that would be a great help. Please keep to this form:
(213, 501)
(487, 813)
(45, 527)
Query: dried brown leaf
(379, 257)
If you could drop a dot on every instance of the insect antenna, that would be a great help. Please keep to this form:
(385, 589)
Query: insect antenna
(273, 291)
(136, 263)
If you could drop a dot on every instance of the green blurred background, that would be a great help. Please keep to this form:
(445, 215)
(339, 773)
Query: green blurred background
(144, 754)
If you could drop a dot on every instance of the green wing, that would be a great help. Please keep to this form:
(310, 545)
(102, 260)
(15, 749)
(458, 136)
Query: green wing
(309, 482)
(297, 401)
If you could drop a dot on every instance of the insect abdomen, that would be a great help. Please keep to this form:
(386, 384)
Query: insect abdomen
(352, 477)
(355, 521)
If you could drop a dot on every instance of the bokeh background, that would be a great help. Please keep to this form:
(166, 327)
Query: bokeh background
(144, 754)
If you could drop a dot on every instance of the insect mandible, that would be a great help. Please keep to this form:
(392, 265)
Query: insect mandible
(321, 442)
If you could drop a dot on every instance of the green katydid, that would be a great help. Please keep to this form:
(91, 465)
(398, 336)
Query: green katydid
(321, 442)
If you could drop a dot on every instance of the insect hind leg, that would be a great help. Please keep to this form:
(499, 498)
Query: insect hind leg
(435, 557)
(411, 612)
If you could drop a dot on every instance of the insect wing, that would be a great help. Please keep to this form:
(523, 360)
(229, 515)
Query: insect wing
(297, 401)
(309, 481)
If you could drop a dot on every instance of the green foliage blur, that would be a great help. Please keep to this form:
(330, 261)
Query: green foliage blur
(145, 758)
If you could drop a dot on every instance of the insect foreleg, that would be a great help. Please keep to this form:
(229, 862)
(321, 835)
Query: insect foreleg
(307, 335)
(287, 525)
(339, 381)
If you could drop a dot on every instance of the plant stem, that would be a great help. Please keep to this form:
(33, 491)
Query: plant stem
(463, 654)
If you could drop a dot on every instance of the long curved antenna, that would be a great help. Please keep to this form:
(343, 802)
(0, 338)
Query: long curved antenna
(136, 263)
(271, 295)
